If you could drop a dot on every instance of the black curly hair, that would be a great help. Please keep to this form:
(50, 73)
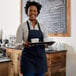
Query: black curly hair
(30, 3)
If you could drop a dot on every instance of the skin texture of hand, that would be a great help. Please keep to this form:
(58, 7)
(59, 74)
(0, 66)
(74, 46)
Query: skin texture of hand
(26, 44)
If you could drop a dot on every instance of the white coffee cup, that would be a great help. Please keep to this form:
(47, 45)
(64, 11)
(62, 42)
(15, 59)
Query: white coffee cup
(34, 40)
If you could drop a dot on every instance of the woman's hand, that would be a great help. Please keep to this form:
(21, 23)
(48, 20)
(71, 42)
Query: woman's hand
(26, 44)
(46, 46)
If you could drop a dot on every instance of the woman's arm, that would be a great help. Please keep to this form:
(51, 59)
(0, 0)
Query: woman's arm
(19, 37)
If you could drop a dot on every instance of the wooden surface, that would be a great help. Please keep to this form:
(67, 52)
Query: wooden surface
(56, 63)
(14, 55)
(4, 68)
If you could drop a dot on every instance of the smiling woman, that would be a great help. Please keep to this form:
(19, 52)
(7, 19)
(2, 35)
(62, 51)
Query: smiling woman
(33, 58)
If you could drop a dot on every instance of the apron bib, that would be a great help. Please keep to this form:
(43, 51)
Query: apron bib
(33, 59)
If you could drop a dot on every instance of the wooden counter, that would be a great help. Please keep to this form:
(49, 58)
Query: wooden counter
(4, 66)
(56, 62)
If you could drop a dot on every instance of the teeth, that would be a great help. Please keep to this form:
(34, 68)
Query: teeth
(32, 15)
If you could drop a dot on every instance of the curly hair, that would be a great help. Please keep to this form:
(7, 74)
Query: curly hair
(30, 3)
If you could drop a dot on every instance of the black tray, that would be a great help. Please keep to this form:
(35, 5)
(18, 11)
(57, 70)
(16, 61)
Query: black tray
(42, 43)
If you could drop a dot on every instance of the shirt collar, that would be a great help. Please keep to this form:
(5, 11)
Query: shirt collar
(31, 22)
(36, 26)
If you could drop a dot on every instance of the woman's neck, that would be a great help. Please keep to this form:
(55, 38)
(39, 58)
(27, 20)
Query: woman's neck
(33, 23)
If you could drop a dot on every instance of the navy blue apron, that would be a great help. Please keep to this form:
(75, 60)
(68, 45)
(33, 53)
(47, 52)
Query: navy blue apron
(33, 59)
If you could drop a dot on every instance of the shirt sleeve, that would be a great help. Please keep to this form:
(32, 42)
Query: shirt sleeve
(19, 37)
(45, 32)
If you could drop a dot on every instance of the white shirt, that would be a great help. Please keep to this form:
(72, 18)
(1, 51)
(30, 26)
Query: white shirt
(22, 32)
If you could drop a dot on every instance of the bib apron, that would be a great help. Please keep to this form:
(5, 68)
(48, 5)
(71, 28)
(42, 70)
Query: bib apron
(33, 59)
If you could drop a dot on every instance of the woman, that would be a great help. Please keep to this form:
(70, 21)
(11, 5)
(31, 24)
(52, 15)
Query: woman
(33, 58)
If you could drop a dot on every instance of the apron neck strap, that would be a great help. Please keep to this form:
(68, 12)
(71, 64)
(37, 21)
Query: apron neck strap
(29, 25)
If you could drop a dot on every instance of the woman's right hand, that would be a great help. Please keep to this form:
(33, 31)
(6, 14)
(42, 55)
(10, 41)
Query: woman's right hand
(26, 44)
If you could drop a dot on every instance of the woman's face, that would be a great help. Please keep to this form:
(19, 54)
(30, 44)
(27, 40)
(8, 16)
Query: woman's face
(32, 12)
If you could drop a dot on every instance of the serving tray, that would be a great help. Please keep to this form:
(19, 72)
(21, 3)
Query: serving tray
(42, 43)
